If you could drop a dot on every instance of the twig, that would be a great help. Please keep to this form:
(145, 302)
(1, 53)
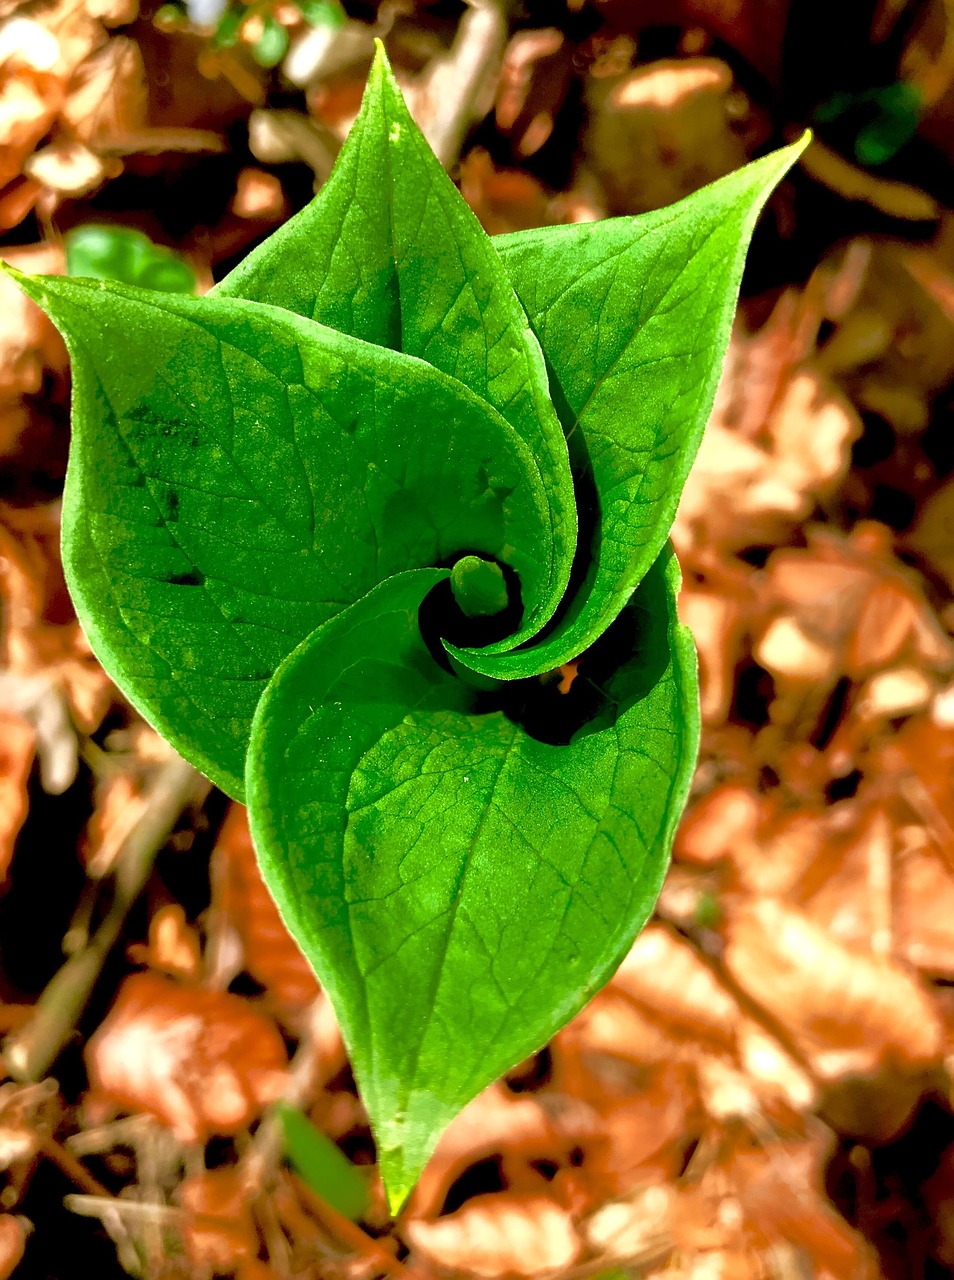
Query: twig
(455, 84)
(68, 1164)
(348, 1233)
(265, 1149)
(127, 1131)
(145, 1211)
(30, 1051)
(897, 199)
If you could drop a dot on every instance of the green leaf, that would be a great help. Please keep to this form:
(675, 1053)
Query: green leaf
(461, 886)
(389, 252)
(634, 315)
(239, 474)
(323, 1165)
(322, 13)
(291, 511)
(229, 25)
(883, 120)
(479, 587)
(127, 256)
(272, 45)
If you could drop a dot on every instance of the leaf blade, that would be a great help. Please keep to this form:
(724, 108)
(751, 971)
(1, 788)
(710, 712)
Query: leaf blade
(194, 564)
(638, 389)
(451, 957)
(398, 259)
(322, 1164)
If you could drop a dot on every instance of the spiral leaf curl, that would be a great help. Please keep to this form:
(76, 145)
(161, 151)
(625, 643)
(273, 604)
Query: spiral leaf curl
(268, 491)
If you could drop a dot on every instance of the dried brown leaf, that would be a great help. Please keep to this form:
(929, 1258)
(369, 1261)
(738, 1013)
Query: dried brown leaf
(923, 899)
(646, 1134)
(496, 1123)
(107, 98)
(13, 1235)
(503, 199)
(17, 749)
(40, 640)
(718, 622)
(728, 818)
(866, 1026)
(846, 888)
(173, 945)
(259, 196)
(534, 78)
(744, 492)
(637, 1230)
(613, 1024)
(119, 807)
(28, 342)
(113, 13)
(662, 131)
(844, 607)
(17, 200)
(203, 1062)
(223, 1194)
(850, 181)
(780, 1190)
(500, 1235)
(672, 982)
(27, 111)
(69, 168)
(756, 30)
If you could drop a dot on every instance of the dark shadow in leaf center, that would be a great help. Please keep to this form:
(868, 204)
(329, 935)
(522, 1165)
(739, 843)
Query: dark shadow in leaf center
(587, 695)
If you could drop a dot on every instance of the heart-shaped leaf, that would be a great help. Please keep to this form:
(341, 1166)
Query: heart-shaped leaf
(461, 884)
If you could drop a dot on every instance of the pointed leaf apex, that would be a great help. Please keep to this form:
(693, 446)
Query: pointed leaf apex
(26, 282)
(41, 289)
(380, 65)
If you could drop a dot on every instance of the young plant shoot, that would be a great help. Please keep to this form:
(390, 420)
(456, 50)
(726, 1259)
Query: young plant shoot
(376, 534)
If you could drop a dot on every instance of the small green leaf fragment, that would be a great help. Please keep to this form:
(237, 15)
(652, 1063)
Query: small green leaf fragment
(479, 587)
(272, 45)
(323, 1165)
(104, 252)
(708, 913)
(322, 13)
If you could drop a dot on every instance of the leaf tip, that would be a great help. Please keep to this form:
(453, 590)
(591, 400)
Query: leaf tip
(800, 144)
(44, 290)
(28, 283)
(398, 1184)
(380, 65)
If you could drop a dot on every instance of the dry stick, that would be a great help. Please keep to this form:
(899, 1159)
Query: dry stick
(265, 1151)
(348, 1233)
(177, 1215)
(456, 83)
(30, 1052)
(68, 1163)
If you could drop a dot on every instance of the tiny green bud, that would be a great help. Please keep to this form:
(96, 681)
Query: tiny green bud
(479, 587)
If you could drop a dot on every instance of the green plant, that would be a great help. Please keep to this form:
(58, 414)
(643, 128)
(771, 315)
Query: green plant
(119, 253)
(322, 1164)
(292, 508)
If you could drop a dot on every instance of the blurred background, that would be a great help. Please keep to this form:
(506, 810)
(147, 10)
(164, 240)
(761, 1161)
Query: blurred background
(765, 1089)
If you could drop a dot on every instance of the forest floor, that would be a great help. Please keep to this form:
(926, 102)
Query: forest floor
(765, 1088)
